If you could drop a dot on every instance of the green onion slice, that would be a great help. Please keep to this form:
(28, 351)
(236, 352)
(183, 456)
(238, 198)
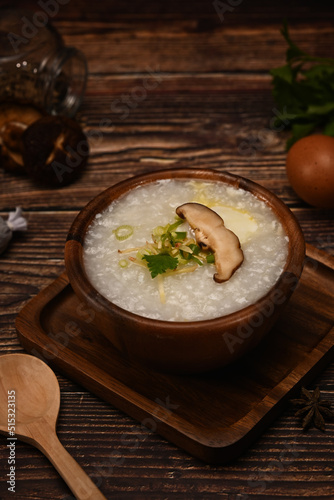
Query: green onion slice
(123, 232)
(123, 263)
(195, 248)
(210, 258)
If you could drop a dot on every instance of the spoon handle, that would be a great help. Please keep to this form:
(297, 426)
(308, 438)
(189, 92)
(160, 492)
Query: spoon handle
(76, 479)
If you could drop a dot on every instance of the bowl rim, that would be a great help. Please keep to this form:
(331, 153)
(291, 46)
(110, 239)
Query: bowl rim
(75, 239)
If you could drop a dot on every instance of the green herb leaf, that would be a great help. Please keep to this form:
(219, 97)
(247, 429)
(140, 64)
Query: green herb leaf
(300, 130)
(304, 95)
(181, 235)
(329, 129)
(199, 262)
(293, 51)
(284, 73)
(158, 264)
(195, 248)
(322, 109)
(172, 227)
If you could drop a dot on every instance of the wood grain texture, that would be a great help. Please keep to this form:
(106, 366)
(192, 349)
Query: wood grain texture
(29, 381)
(212, 108)
(213, 416)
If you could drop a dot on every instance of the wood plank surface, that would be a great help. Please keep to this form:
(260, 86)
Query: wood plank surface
(214, 417)
(212, 107)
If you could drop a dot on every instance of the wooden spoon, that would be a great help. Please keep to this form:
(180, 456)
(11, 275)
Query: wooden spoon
(36, 406)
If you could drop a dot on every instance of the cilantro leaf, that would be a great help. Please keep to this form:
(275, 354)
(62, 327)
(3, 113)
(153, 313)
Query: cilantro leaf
(158, 264)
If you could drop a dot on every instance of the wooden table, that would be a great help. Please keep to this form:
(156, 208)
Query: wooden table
(210, 106)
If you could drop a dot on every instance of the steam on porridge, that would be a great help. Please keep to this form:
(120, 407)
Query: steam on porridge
(141, 256)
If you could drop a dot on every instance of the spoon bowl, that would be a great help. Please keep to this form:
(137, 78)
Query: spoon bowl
(41, 394)
(29, 408)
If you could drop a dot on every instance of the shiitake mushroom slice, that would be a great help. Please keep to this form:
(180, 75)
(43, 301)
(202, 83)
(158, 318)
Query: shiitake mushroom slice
(211, 232)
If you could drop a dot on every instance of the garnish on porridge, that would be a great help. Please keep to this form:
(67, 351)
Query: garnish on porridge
(122, 251)
(211, 233)
(175, 252)
(169, 252)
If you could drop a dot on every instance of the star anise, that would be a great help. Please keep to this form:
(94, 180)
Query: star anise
(313, 410)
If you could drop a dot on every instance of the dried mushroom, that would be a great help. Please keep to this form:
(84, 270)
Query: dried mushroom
(55, 150)
(51, 149)
(14, 120)
(211, 233)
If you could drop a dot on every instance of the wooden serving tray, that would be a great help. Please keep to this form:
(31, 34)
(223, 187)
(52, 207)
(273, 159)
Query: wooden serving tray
(213, 416)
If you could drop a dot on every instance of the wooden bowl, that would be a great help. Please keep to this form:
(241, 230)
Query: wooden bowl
(185, 347)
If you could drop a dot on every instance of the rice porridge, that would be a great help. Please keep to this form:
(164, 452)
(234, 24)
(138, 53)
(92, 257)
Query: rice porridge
(117, 241)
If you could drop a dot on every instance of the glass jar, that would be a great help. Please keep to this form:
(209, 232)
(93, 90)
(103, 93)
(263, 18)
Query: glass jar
(35, 65)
